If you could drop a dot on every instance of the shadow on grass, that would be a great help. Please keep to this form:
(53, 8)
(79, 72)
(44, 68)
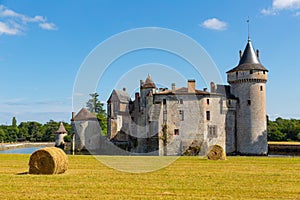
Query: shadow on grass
(22, 173)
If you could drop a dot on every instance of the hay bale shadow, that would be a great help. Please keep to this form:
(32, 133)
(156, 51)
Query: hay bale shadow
(22, 173)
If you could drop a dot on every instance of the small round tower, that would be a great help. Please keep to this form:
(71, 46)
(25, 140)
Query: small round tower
(248, 85)
(59, 136)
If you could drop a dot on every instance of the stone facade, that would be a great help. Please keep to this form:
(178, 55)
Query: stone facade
(85, 132)
(177, 120)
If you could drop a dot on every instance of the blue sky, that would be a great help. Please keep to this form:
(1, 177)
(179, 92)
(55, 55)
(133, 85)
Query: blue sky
(44, 43)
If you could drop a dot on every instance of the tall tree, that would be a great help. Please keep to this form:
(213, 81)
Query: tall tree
(14, 122)
(96, 107)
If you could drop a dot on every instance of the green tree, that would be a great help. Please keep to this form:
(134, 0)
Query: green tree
(14, 122)
(96, 107)
(284, 129)
(12, 133)
(49, 130)
(23, 131)
(2, 136)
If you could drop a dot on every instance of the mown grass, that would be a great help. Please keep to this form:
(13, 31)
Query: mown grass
(284, 142)
(186, 178)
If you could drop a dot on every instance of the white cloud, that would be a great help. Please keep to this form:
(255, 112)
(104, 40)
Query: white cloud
(48, 26)
(286, 4)
(6, 29)
(13, 23)
(268, 11)
(214, 24)
(279, 5)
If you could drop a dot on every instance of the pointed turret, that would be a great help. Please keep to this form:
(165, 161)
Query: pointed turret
(249, 60)
(61, 129)
(248, 85)
(149, 83)
(59, 136)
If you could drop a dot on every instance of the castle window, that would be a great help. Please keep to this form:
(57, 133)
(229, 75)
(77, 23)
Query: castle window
(176, 131)
(251, 71)
(207, 101)
(207, 115)
(164, 101)
(212, 132)
(249, 102)
(229, 102)
(181, 101)
(261, 88)
(181, 115)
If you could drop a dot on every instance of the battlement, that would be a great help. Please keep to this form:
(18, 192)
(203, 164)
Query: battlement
(258, 76)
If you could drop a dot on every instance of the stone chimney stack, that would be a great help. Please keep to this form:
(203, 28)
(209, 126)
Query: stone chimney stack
(173, 87)
(73, 115)
(136, 95)
(191, 86)
(212, 87)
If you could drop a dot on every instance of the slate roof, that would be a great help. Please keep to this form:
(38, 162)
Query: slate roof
(123, 96)
(149, 83)
(249, 60)
(85, 115)
(61, 129)
(182, 90)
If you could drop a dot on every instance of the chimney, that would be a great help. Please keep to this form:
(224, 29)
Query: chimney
(173, 87)
(241, 54)
(136, 96)
(212, 87)
(73, 115)
(191, 86)
(205, 89)
(124, 89)
(257, 53)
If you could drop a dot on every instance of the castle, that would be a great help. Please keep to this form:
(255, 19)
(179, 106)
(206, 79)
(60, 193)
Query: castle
(185, 120)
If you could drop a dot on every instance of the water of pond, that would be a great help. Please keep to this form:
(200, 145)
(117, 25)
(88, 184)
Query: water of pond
(29, 150)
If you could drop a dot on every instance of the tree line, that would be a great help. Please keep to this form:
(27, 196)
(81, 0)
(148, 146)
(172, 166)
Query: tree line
(36, 132)
(283, 129)
(31, 131)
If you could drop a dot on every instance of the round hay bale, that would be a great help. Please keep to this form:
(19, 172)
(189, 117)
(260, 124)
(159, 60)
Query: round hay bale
(49, 160)
(216, 153)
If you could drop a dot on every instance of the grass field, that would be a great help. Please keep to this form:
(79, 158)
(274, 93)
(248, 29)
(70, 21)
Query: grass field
(186, 178)
(284, 143)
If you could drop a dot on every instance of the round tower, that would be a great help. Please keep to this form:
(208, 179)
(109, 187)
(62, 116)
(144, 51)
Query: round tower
(59, 136)
(248, 85)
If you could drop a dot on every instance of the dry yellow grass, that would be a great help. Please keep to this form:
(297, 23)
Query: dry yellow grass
(186, 178)
(283, 143)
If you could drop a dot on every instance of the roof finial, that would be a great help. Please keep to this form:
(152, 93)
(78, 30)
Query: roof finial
(248, 21)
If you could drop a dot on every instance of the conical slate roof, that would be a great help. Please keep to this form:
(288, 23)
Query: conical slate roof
(149, 83)
(61, 129)
(249, 60)
(84, 115)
